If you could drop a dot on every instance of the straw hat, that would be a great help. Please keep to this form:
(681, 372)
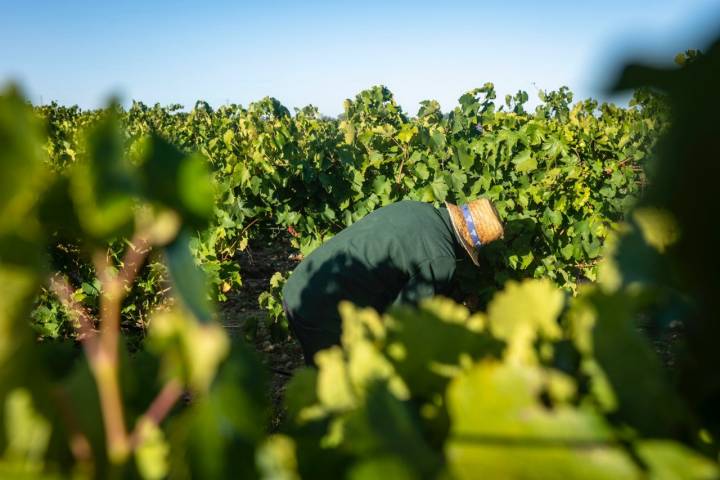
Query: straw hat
(476, 223)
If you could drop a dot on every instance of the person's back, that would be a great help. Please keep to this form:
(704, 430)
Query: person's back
(399, 253)
(401, 250)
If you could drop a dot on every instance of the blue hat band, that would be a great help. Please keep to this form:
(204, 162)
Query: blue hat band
(471, 226)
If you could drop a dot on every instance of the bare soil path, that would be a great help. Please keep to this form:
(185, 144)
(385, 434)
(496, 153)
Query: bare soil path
(242, 315)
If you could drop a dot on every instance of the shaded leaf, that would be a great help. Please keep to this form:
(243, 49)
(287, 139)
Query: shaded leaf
(188, 278)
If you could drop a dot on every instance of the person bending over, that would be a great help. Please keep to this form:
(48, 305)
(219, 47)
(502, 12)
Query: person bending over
(400, 253)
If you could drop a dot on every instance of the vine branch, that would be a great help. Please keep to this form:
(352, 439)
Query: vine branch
(158, 409)
(101, 349)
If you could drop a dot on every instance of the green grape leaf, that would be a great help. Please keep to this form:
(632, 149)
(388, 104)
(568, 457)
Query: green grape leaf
(423, 364)
(407, 133)
(381, 467)
(524, 312)
(645, 399)
(26, 431)
(500, 427)
(421, 170)
(658, 227)
(300, 392)
(384, 424)
(670, 461)
(334, 390)
(381, 185)
(438, 141)
(179, 181)
(228, 137)
(56, 210)
(19, 288)
(21, 161)
(464, 157)
(189, 281)
(151, 455)
(525, 161)
(191, 350)
(215, 436)
(277, 458)
(439, 189)
(103, 187)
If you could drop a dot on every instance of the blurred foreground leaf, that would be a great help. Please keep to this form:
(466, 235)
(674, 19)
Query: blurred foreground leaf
(104, 184)
(188, 278)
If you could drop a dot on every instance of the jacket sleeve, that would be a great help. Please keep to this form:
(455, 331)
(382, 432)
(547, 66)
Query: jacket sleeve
(432, 278)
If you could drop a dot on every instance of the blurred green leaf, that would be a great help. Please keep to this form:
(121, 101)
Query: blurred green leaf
(57, 211)
(659, 228)
(422, 363)
(103, 186)
(152, 452)
(381, 467)
(523, 313)
(19, 287)
(188, 278)
(501, 428)
(276, 459)
(670, 461)
(216, 436)
(179, 181)
(300, 392)
(24, 174)
(645, 399)
(27, 432)
(190, 350)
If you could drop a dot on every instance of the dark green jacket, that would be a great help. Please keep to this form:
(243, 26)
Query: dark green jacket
(397, 254)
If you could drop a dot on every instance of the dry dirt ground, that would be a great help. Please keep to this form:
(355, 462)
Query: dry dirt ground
(242, 315)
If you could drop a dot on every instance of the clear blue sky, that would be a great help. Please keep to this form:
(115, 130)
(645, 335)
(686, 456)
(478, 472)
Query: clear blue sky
(312, 52)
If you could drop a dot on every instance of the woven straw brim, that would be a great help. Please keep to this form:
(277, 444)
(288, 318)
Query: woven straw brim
(487, 224)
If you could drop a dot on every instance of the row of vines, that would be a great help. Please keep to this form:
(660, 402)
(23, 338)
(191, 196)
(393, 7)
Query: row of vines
(561, 176)
(115, 220)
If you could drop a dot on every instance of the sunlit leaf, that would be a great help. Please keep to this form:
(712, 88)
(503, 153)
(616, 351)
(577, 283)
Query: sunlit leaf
(524, 312)
(501, 428)
(152, 452)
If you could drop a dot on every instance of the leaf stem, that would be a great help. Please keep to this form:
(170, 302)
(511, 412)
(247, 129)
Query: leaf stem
(158, 409)
(105, 363)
